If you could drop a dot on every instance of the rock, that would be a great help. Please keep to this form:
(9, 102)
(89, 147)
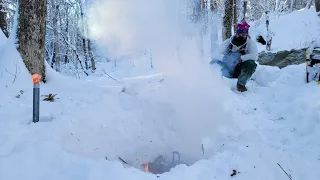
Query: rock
(282, 59)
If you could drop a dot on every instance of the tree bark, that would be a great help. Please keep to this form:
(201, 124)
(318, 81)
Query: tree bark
(3, 21)
(235, 15)
(227, 20)
(245, 4)
(93, 64)
(317, 4)
(85, 53)
(203, 4)
(291, 5)
(309, 4)
(66, 60)
(31, 35)
(213, 5)
(56, 50)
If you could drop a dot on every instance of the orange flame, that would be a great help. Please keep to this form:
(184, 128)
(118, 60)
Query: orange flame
(146, 167)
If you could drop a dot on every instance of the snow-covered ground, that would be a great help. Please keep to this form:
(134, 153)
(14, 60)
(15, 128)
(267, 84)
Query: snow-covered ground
(185, 107)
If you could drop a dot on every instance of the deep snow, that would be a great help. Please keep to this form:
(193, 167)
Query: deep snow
(147, 113)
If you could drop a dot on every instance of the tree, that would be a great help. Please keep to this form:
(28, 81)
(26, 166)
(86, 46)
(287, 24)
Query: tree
(235, 15)
(31, 35)
(244, 12)
(227, 20)
(309, 4)
(56, 47)
(317, 4)
(3, 21)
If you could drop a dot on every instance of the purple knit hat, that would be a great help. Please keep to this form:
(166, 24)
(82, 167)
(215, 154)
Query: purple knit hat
(243, 28)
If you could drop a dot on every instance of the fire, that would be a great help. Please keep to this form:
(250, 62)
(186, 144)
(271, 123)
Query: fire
(146, 167)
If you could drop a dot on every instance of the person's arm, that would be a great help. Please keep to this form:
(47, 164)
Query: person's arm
(221, 50)
(252, 52)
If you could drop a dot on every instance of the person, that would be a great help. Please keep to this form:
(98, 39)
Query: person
(237, 55)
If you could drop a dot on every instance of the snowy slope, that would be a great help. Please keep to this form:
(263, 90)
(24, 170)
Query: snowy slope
(142, 117)
(291, 31)
(3, 39)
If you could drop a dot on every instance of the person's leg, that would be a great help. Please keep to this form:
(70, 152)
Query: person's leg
(226, 72)
(246, 68)
(237, 71)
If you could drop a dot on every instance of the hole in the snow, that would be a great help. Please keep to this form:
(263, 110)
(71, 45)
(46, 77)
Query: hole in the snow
(42, 119)
(163, 163)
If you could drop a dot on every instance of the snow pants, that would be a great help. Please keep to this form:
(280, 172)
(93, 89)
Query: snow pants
(232, 67)
(244, 71)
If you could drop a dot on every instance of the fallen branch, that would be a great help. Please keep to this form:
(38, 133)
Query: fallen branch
(50, 97)
(234, 172)
(123, 160)
(284, 171)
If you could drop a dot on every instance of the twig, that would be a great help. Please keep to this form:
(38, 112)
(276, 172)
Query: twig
(123, 160)
(16, 73)
(284, 171)
(109, 75)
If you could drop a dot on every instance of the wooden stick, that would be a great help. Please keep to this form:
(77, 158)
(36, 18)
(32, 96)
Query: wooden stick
(284, 171)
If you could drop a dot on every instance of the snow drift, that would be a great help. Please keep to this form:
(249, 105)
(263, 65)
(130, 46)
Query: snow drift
(140, 118)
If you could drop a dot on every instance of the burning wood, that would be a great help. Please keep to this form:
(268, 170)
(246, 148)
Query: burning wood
(159, 167)
(146, 167)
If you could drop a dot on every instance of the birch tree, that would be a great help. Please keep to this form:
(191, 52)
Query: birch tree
(244, 11)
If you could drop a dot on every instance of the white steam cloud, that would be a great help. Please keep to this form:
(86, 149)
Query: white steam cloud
(196, 93)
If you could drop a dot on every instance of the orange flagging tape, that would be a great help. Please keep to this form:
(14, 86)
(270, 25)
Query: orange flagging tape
(36, 78)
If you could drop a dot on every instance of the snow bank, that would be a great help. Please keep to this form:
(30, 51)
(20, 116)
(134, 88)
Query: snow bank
(140, 118)
(3, 39)
(13, 72)
(291, 31)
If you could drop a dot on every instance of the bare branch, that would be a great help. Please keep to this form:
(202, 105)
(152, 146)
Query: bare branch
(109, 75)
(289, 176)
(16, 74)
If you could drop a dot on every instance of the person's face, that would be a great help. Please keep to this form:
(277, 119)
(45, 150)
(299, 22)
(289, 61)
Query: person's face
(242, 36)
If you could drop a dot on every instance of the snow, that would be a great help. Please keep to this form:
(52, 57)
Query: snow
(3, 39)
(291, 31)
(181, 105)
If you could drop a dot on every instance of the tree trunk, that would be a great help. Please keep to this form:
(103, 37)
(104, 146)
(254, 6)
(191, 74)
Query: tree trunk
(93, 64)
(309, 4)
(269, 37)
(56, 52)
(291, 5)
(203, 4)
(66, 60)
(213, 5)
(277, 5)
(3, 21)
(317, 4)
(214, 20)
(31, 35)
(227, 20)
(85, 54)
(245, 3)
(235, 15)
